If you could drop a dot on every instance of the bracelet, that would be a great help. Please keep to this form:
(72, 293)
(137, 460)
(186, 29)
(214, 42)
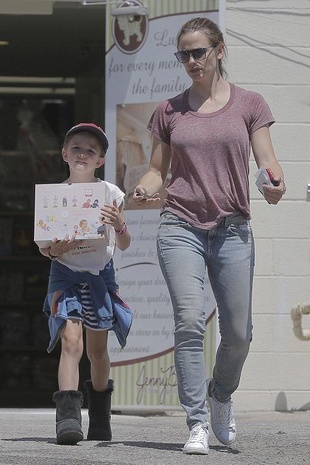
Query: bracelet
(52, 257)
(122, 230)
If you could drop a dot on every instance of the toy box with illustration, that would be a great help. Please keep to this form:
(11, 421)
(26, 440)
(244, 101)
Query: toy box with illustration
(62, 209)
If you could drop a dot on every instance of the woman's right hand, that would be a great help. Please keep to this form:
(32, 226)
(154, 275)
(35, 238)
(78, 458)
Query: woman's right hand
(140, 196)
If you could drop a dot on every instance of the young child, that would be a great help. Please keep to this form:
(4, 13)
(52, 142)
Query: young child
(82, 293)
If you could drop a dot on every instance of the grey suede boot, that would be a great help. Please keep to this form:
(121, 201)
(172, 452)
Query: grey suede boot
(68, 417)
(99, 412)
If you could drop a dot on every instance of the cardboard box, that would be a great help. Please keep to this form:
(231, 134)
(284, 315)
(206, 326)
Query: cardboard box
(62, 209)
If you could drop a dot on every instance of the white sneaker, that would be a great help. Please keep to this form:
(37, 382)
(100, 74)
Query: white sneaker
(198, 442)
(222, 418)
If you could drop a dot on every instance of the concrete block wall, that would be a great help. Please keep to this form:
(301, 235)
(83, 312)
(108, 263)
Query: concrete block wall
(269, 52)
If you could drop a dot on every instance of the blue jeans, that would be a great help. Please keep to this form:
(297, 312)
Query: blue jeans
(227, 252)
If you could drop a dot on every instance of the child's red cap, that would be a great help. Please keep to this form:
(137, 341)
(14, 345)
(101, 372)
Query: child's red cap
(94, 129)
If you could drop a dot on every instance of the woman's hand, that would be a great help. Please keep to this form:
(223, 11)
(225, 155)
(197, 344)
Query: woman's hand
(273, 193)
(140, 196)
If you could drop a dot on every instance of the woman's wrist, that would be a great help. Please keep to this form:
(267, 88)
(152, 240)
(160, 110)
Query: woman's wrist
(122, 230)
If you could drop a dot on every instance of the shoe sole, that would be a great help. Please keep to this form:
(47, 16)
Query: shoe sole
(196, 451)
(70, 438)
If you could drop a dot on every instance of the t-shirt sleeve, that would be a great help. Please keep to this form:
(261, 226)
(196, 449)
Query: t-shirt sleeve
(260, 113)
(159, 123)
(113, 192)
(119, 195)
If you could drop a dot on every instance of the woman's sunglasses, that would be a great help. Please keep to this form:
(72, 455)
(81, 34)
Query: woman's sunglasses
(183, 56)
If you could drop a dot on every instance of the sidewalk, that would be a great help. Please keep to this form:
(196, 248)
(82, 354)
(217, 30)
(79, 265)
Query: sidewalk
(271, 438)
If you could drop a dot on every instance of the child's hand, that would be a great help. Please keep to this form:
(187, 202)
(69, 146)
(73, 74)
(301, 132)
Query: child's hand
(112, 215)
(60, 247)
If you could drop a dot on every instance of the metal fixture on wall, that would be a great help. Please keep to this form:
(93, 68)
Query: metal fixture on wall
(130, 8)
(45, 7)
(296, 314)
(126, 8)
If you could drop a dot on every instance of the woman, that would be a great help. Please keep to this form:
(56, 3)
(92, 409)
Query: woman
(206, 134)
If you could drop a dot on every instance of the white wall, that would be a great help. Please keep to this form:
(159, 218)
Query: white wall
(269, 52)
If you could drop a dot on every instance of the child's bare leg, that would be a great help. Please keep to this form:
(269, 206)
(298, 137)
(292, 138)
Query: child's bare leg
(69, 399)
(97, 352)
(71, 353)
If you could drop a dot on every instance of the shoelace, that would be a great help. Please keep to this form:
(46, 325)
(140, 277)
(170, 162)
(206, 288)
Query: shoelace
(198, 433)
(225, 414)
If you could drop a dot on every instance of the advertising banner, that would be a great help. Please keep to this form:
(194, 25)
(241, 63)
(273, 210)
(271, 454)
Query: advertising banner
(141, 70)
